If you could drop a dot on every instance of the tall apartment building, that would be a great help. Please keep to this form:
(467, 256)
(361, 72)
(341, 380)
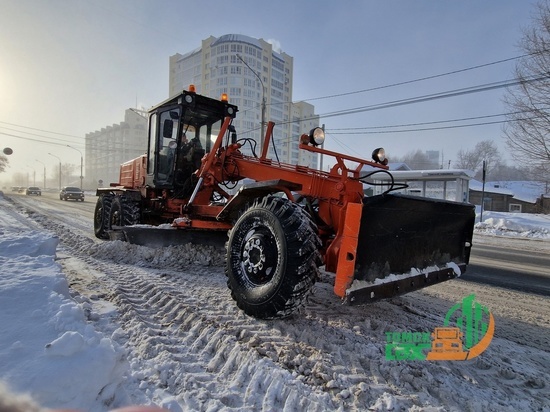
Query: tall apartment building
(255, 77)
(107, 148)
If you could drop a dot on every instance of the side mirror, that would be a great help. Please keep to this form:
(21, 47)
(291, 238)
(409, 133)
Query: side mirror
(167, 128)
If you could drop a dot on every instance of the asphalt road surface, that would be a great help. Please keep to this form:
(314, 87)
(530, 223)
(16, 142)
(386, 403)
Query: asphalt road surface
(517, 269)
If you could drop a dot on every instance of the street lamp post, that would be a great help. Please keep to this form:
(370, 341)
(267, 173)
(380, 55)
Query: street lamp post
(59, 168)
(81, 159)
(44, 174)
(263, 100)
(33, 176)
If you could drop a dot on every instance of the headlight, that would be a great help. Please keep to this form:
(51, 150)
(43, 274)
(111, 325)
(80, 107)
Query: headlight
(379, 156)
(316, 136)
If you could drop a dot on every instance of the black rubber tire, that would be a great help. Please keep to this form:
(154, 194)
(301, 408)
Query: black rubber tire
(124, 212)
(101, 216)
(271, 260)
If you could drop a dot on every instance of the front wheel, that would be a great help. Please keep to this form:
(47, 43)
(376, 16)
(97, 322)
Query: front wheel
(271, 258)
(101, 216)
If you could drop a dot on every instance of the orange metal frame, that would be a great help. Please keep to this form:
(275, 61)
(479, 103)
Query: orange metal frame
(339, 192)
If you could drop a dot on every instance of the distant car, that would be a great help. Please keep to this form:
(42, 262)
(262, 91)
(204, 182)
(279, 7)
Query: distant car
(15, 188)
(33, 190)
(70, 192)
(21, 189)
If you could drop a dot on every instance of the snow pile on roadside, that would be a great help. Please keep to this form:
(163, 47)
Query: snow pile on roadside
(46, 344)
(534, 226)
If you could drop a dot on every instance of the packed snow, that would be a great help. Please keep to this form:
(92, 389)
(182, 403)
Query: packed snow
(521, 225)
(66, 350)
(47, 346)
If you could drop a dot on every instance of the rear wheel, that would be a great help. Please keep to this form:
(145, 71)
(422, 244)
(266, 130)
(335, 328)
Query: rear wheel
(101, 216)
(124, 212)
(272, 258)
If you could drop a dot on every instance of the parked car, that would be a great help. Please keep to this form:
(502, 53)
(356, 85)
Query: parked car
(33, 190)
(71, 192)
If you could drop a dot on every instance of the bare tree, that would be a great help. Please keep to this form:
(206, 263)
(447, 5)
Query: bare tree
(3, 163)
(486, 150)
(417, 160)
(528, 128)
(66, 176)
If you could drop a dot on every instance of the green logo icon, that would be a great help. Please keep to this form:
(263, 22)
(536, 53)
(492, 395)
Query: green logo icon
(467, 331)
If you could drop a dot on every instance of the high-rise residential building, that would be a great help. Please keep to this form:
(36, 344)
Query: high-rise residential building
(107, 148)
(258, 79)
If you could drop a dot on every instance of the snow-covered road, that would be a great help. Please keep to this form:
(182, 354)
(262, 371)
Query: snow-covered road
(159, 327)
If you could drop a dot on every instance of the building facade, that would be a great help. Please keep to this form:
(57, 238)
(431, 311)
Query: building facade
(107, 148)
(258, 79)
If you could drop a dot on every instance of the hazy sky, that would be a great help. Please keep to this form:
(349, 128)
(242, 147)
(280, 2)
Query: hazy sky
(74, 66)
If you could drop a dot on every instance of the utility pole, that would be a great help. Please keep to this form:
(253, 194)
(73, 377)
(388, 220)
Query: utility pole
(263, 101)
(81, 161)
(483, 191)
(322, 147)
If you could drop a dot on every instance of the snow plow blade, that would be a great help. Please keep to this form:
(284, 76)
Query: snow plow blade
(406, 243)
(163, 237)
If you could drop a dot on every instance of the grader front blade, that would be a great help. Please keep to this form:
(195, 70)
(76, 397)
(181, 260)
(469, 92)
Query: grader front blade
(406, 243)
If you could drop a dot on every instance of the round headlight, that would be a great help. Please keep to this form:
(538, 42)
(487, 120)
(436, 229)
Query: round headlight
(317, 136)
(188, 98)
(379, 156)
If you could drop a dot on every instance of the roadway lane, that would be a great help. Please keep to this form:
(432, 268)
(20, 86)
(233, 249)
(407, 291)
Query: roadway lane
(518, 269)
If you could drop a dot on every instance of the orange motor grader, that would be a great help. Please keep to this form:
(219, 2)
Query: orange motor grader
(285, 220)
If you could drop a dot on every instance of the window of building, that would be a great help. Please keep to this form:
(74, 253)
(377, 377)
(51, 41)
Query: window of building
(278, 64)
(515, 207)
(222, 60)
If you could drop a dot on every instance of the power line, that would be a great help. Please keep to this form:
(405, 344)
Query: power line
(434, 96)
(367, 128)
(39, 130)
(416, 80)
(37, 140)
(426, 128)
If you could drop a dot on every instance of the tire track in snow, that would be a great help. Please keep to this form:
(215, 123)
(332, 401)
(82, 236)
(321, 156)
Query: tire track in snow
(194, 346)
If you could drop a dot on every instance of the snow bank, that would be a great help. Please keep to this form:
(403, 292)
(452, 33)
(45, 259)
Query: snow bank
(46, 345)
(522, 225)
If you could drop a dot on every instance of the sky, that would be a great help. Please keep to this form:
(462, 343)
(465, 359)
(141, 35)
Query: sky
(68, 68)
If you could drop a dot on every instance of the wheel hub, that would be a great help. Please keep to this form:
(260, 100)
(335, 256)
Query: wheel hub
(256, 258)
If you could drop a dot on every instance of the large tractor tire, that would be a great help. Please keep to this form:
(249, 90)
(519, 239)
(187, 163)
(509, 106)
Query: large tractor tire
(101, 216)
(124, 212)
(272, 256)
